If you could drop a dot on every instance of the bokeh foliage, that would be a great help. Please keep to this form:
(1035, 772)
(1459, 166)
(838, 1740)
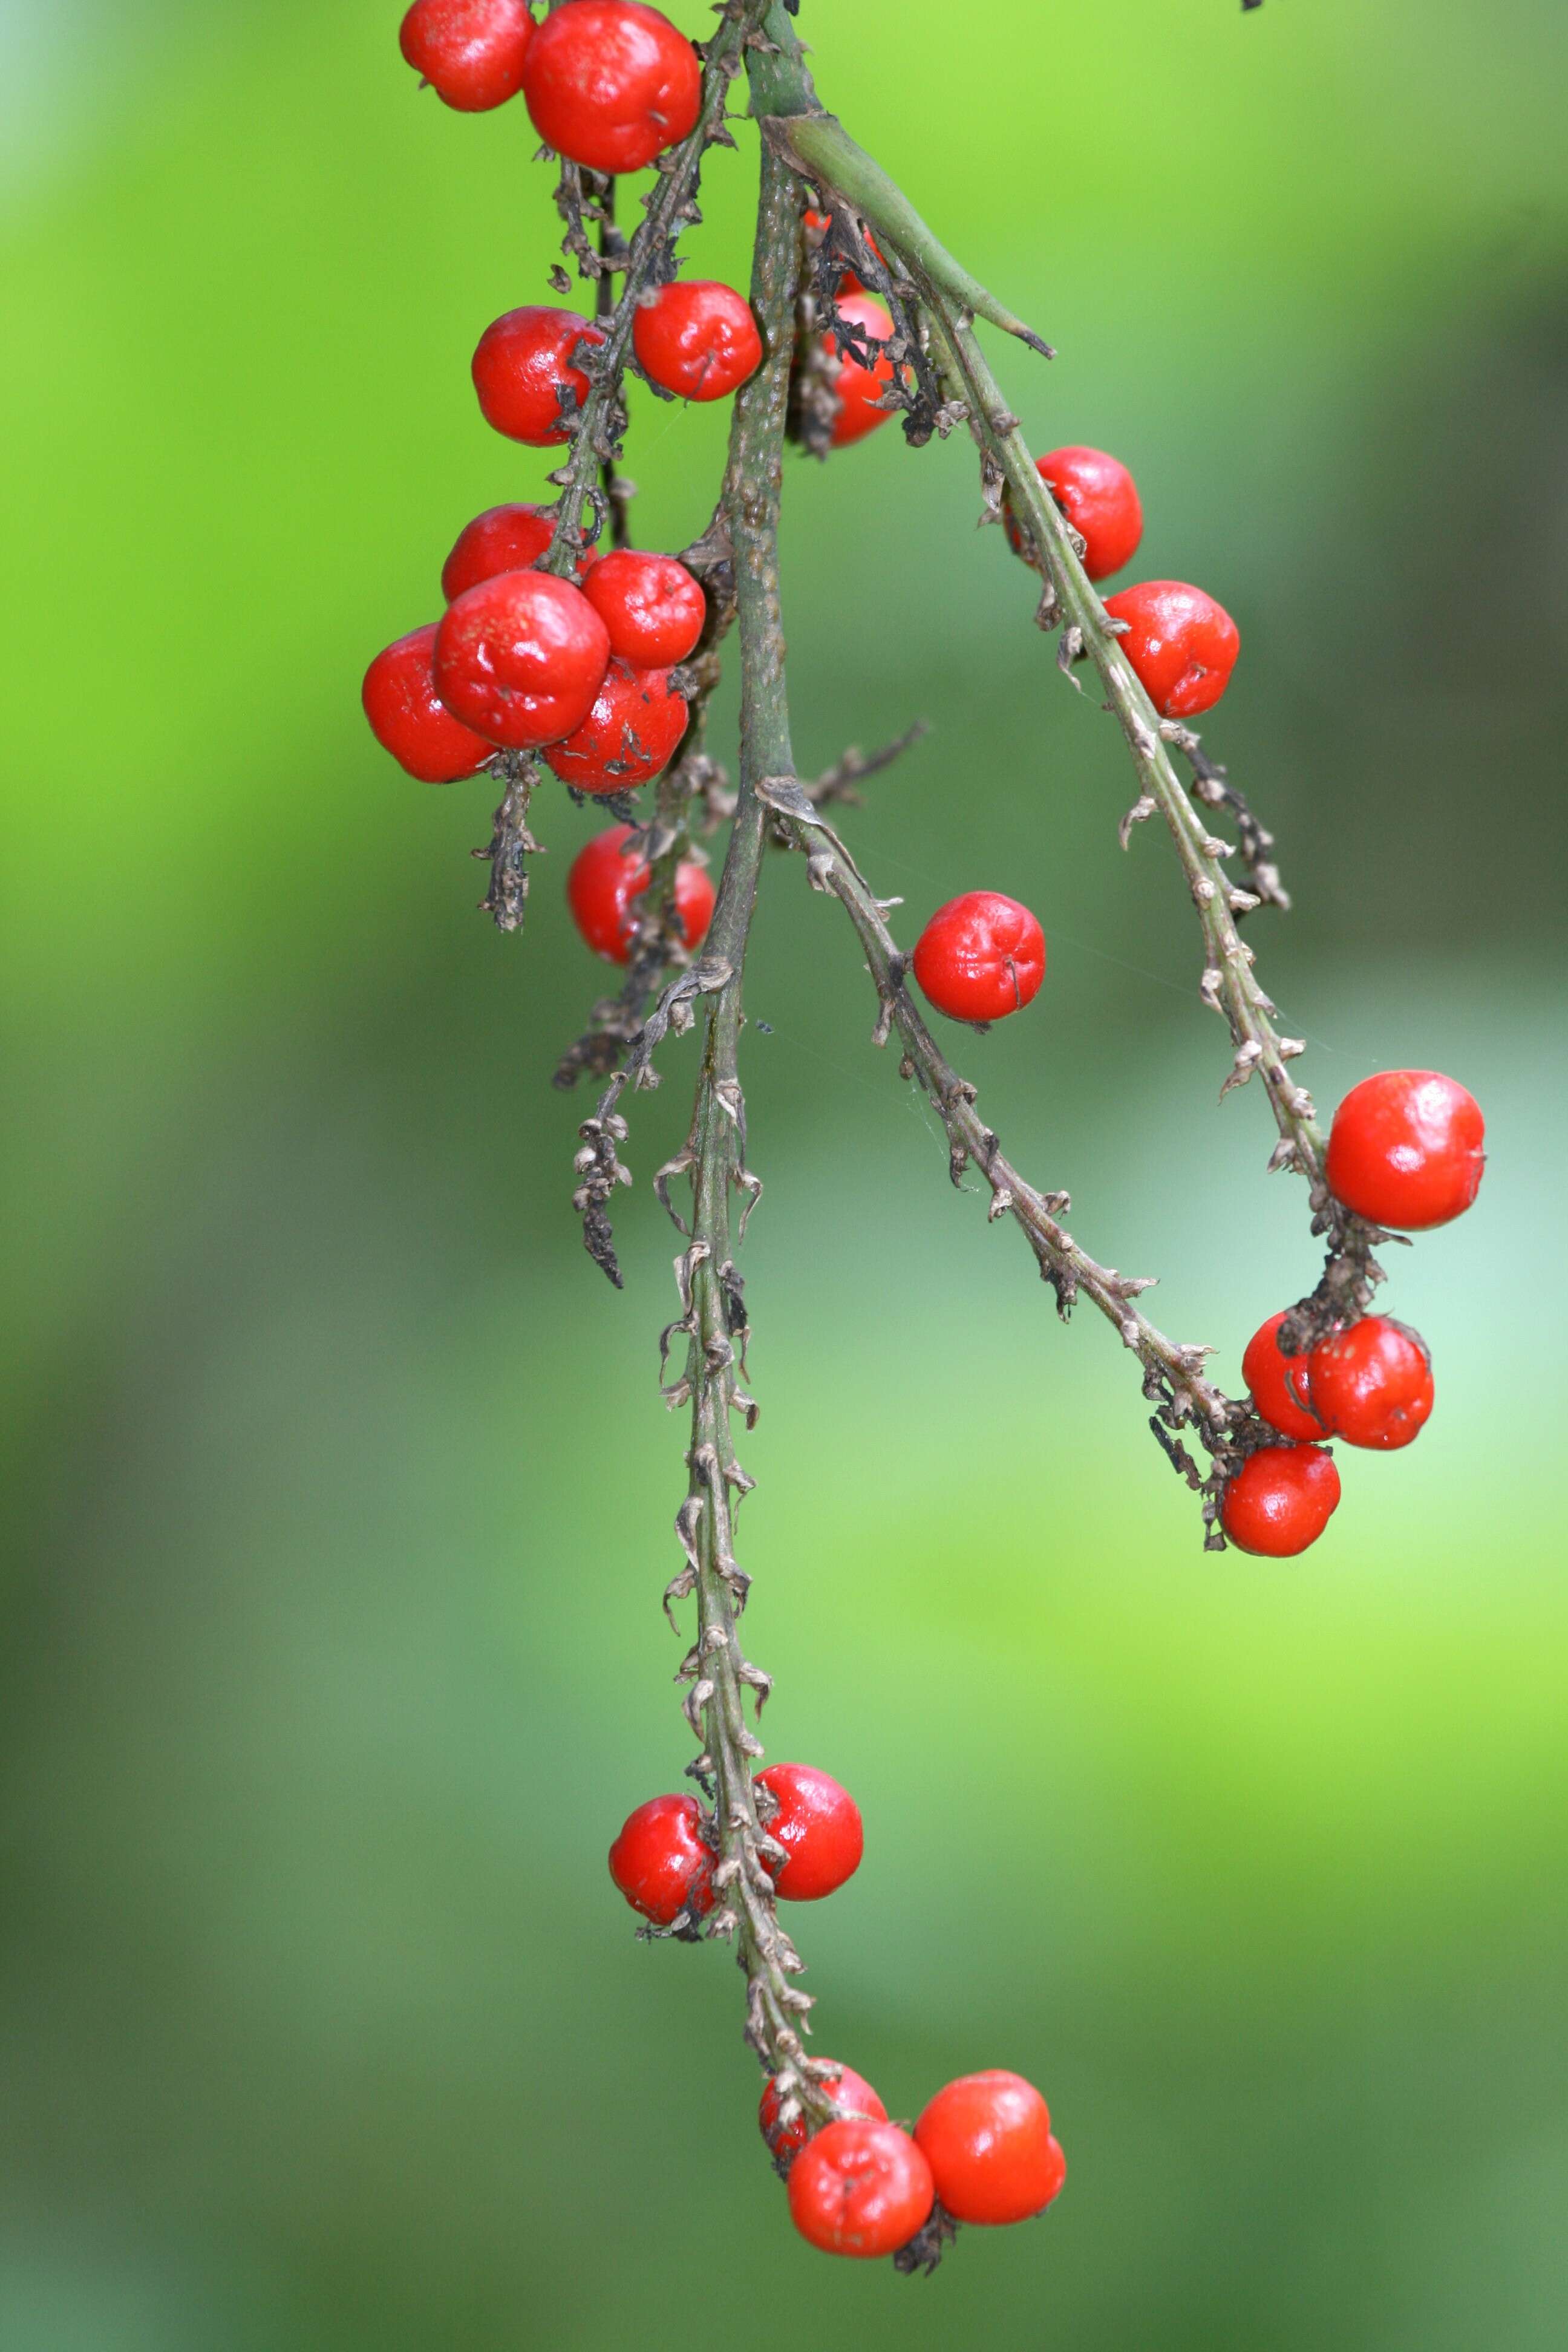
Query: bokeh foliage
(337, 1487)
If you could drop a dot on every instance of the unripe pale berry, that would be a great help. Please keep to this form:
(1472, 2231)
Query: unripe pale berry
(1406, 1149)
(471, 52)
(632, 732)
(850, 2094)
(611, 84)
(818, 1823)
(1181, 645)
(408, 717)
(1372, 1383)
(660, 1862)
(520, 657)
(603, 882)
(860, 2188)
(1280, 1500)
(987, 2138)
(1098, 497)
(651, 605)
(1281, 1385)
(980, 957)
(522, 369)
(859, 388)
(697, 338)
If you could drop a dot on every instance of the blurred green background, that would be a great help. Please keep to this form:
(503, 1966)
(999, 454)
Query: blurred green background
(338, 1491)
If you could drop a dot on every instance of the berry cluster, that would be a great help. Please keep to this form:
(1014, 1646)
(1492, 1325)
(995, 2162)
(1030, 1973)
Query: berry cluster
(983, 2150)
(1405, 1154)
(594, 664)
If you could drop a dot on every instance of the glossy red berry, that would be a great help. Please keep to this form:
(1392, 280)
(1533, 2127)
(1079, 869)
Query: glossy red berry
(817, 226)
(660, 1862)
(522, 658)
(987, 2138)
(502, 539)
(859, 388)
(408, 717)
(1280, 1500)
(1180, 643)
(632, 732)
(611, 84)
(651, 605)
(818, 1823)
(851, 2095)
(1100, 498)
(1281, 1385)
(1373, 1384)
(860, 2188)
(471, 52)
(980, 957)
(697, 338)
(523, 371)
(1406, 1149)
(604, 881)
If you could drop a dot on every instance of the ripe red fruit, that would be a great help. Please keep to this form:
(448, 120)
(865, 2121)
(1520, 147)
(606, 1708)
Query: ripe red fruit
(818, 223)
(631, 733)
(1180, 643)
(859, 388)
(651, 605)
(603, 882)
(860, 2188)
(1373, 1384)
(697, 338)
(522, 658)
(987, 2138)
(522, 366)
(849, 2092)
(1280, 1500)
(1281, 1385)
(661, 1863)
(980, 957)
(819, 1824)
(611, 84)
(471, 52)
(1098, 497)
(502, 539)
(408, 717)
(1406, 1149)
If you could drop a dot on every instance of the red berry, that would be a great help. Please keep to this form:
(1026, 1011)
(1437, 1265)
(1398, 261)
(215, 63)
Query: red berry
(1280, 1500)
(697, 338)
(1098, 497)
(522, 658)
(1281, 1385)
(502, 539)
(470, 52)
(1373, 1384)
(819, 1824)
(859, 388)
(661, 1863)
(987, 2138)
(632, 732)
(817, 224)
(611, 85)
(651, 605)
(522, 367)
(980, 957)
(409, 719)
(850, 2093)
(1405, 1150)
(605, 880)
(1180, 643)
(859, 2188)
